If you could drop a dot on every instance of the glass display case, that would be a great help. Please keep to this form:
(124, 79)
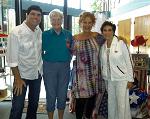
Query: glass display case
(7, 23)
(3, 74)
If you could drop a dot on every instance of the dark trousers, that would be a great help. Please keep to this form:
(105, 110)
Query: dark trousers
(33, 99)
(84, 106)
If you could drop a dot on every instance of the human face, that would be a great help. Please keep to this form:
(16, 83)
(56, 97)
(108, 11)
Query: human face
(107, 32)
(33, 18)
(86, 24)
(56, 22)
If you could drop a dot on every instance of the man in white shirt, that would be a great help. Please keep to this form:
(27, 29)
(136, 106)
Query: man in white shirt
(24, 58)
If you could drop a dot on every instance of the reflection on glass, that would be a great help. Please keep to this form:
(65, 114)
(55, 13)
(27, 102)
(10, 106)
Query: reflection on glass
(115, 3)
(0, 17)
(7, 16)
(54, 2)
(43, 1)
(47, 24)
(11, 19)
(74, 4)
(86, 5)
(75, 25)
(58, 2)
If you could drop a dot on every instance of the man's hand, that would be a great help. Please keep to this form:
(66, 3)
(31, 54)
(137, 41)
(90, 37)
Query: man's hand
(18, 82)
(18, 86)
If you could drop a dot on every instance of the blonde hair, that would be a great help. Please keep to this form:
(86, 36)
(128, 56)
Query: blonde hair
(56, 12)
(84, 15)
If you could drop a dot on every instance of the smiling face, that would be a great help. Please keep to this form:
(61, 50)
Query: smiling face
(56, 22)
(108, 32)
(86, 24)
(33, 18)
(87, 21)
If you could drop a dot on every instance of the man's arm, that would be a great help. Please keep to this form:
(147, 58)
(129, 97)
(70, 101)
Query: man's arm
(12, 61)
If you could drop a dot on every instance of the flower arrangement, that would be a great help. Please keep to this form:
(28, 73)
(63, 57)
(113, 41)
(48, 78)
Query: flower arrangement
(138, 41)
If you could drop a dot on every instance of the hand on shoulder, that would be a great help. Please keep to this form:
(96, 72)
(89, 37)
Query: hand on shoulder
(95, 34)
(123, 39)
(75, 37)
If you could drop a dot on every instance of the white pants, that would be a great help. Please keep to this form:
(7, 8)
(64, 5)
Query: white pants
(118, 100)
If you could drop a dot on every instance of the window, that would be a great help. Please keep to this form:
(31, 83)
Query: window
(44, 1)
(86, 5)
(54, 2)
(75, 25)
(47, 24)
(58, 2)
(74, 4)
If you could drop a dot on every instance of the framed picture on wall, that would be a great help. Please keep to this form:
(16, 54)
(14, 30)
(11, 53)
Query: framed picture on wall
(141, 61)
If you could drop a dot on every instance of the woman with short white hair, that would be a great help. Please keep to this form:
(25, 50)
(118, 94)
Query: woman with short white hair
(56, 13)
(56, 44)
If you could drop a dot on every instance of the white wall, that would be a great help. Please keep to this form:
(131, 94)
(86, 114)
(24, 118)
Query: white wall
(132, 14)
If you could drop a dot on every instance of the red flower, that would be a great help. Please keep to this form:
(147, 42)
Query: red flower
(139, 40)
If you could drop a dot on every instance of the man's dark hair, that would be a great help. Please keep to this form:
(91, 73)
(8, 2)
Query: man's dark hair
(34, 7)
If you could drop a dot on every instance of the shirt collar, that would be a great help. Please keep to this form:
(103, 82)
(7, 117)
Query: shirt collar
(24, 24)
(54, 32)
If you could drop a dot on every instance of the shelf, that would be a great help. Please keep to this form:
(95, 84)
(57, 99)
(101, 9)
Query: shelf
(4, 75)
(2, 52)
(2, 55)
(8, 95)
(2, 35)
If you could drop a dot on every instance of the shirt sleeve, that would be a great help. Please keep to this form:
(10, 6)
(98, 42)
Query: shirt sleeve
(128, 61)
(100, 39)
(12, 51)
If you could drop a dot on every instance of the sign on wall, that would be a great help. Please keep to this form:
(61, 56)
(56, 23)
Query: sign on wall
(141, 61)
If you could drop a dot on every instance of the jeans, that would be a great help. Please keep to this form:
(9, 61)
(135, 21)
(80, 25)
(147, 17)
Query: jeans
(33, 99)
(56, 78)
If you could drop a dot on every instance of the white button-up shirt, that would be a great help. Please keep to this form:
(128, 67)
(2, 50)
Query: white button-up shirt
(24, 50)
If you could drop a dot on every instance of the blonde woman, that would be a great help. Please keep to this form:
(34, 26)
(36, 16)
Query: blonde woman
(87, 71)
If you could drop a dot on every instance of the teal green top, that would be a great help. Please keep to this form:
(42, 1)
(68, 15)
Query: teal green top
(54, 46)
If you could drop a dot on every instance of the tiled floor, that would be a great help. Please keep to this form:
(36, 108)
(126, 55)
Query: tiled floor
(6, 105)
